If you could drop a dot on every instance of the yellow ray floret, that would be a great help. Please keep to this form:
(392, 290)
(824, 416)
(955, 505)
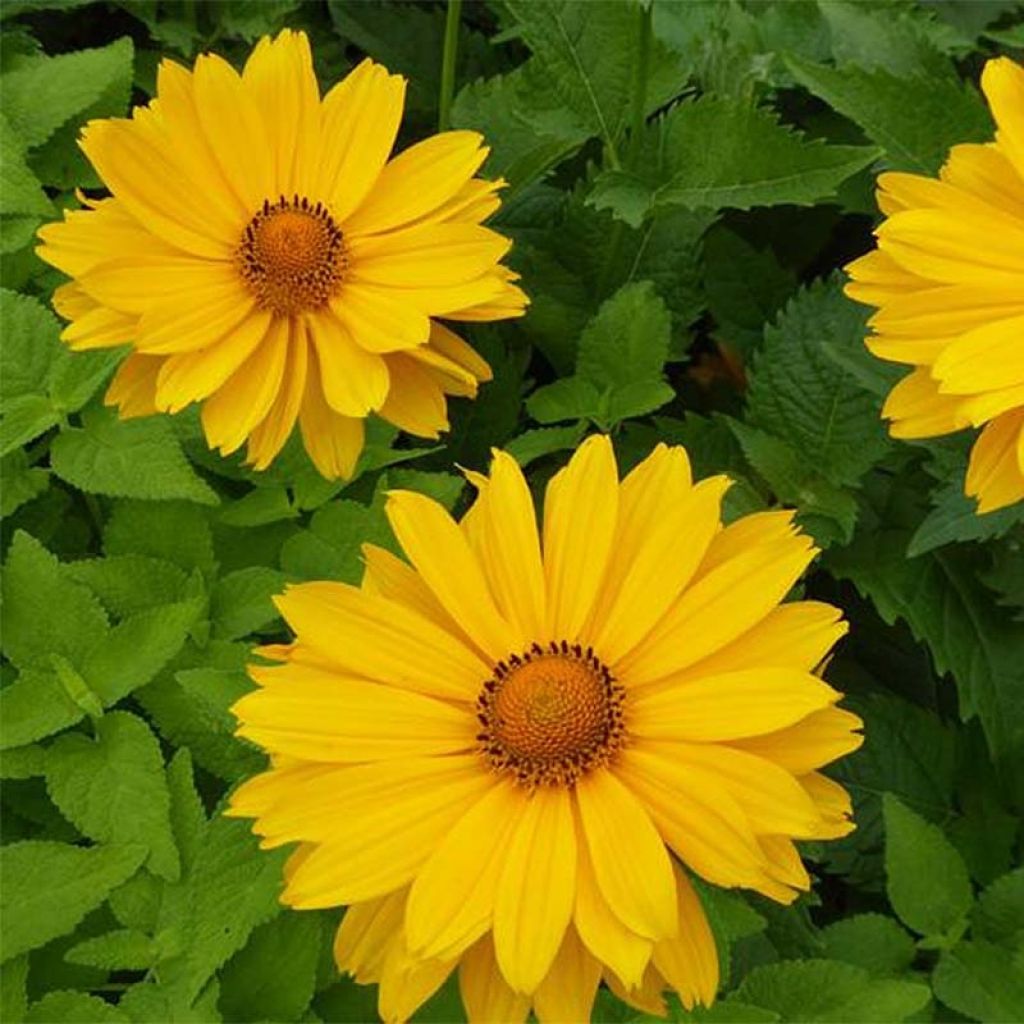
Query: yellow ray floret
(264, 257)
(948, 280)
(510, 752)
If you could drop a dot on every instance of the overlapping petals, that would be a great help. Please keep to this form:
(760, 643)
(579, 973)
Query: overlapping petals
(534, 895)
(948, 280)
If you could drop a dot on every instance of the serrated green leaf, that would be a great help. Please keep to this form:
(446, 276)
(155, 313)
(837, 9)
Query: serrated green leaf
(35, 705)
(535, 444)
(261, 505)
(49, 887)
(21, 192)
(136, 903)
(174, 531)
(798, 394)
(232, 889)
(718, 153)
(23, 763)
(44, 92)
(981, 981)
(998, 916)
(123, 950)
(113, 788)
(74, 1008)
(126, 584)
(915, 119)
(45, 611)
(25, 418)
(13, 996)
(927, 880)
(829, 990)
(188, 818)
(272, 978)
(156, 1003)
(19, 482)
(571, 398)
(445, 488)
(138, 458)
(872, 941)
(241, 601)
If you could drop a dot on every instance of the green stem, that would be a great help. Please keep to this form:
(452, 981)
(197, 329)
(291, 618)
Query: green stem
(451, 48)
(638, 108)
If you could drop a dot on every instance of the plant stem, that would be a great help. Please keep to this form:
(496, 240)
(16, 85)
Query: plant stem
(638, 109)
(451, 48)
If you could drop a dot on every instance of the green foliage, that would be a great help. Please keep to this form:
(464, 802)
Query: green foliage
(684, 183)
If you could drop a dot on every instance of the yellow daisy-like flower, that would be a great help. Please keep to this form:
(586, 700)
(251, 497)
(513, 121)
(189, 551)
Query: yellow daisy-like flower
(263, 256)
(505, 754)
(948, 278)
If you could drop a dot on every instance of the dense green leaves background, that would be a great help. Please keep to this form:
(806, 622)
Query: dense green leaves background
(685, 181)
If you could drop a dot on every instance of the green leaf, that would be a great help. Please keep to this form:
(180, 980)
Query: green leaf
(241, 601)
(915, 119)
(138, 458)
(113, 788)
(272, 978)
(535, 444)
(13, 997)
(74, 1008)
(44, 92)
(24, 418)
(19, 483)
(982, 981)
(588, 55)
(137, 648)
(127, 584)
(31, 344)
(938, 595)
(232, 889)
(45, 611)
(123, 950)
(445, 488)
(998, 916)
(927, 880)
(49, 887)
(136, 904)
(571, 398)
(188, 818)
(828, 990)
(35, 705)
(872, 941)
(21, 192)
(719, 153)
(798, 394)
(260, 506)
(174, 531)
(156, 1003)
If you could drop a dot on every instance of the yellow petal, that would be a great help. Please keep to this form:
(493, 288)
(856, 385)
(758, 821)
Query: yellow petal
(415, 401)
(877, 278)
(451, 903)
(689, 962)
(355, 381)
(452, 347)
(269, 437)
(434, 544)
(919, 410)
(365, 933)
(334, 442)
(568, 991)
(407, 982)
(133, 389)
(165, 287)
(728, 706)
(359, 121)
(995, 474)
(1003, 83)
(983, 359)
(533, 905)
(99, 328)
(814, 741)
(383, 640)
(486, 995)
(985, 171)
(629, 858)
(378, 319)
(580, 513)
(832, 801)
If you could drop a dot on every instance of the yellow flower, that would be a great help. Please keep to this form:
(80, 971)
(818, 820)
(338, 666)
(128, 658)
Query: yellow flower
(505, 754)
(262, 255)
(948, 278)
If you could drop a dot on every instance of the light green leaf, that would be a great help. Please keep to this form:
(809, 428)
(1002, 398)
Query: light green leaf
(137, 458)
(19, 482)
(45, 611)
(188, 818)
(982, 981)
(136, 903)
(13, 998)
(74, 1008)
(49, 887)
(123, 950)
(24, 418)
(31, 344)
(798, 394)
(445, 488)
(571, 398)
(998, 916)
(127, 584)
(113, 788)
(915, 119)
(44, 92)
(21, 192)
(151, 1002)
(829, 990)
(272, 978)
(718, 153)
(535, 444)
(872, 941)
(260, 506)
(927, 880)
(35, 705)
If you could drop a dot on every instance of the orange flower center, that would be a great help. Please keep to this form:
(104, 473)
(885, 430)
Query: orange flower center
(292, 256)
(550, 715)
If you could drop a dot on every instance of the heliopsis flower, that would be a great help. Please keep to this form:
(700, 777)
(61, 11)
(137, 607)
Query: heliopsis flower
(948, 278)
(508, 754)
(263, 256)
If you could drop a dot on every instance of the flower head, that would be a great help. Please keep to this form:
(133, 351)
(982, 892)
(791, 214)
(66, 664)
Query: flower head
(948, 278)
(263, 256)
(507, 753)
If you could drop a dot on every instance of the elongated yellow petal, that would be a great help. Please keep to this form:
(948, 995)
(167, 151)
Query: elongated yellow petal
(362, 940)
(995, 474)
(568, 991)
(486, 995)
